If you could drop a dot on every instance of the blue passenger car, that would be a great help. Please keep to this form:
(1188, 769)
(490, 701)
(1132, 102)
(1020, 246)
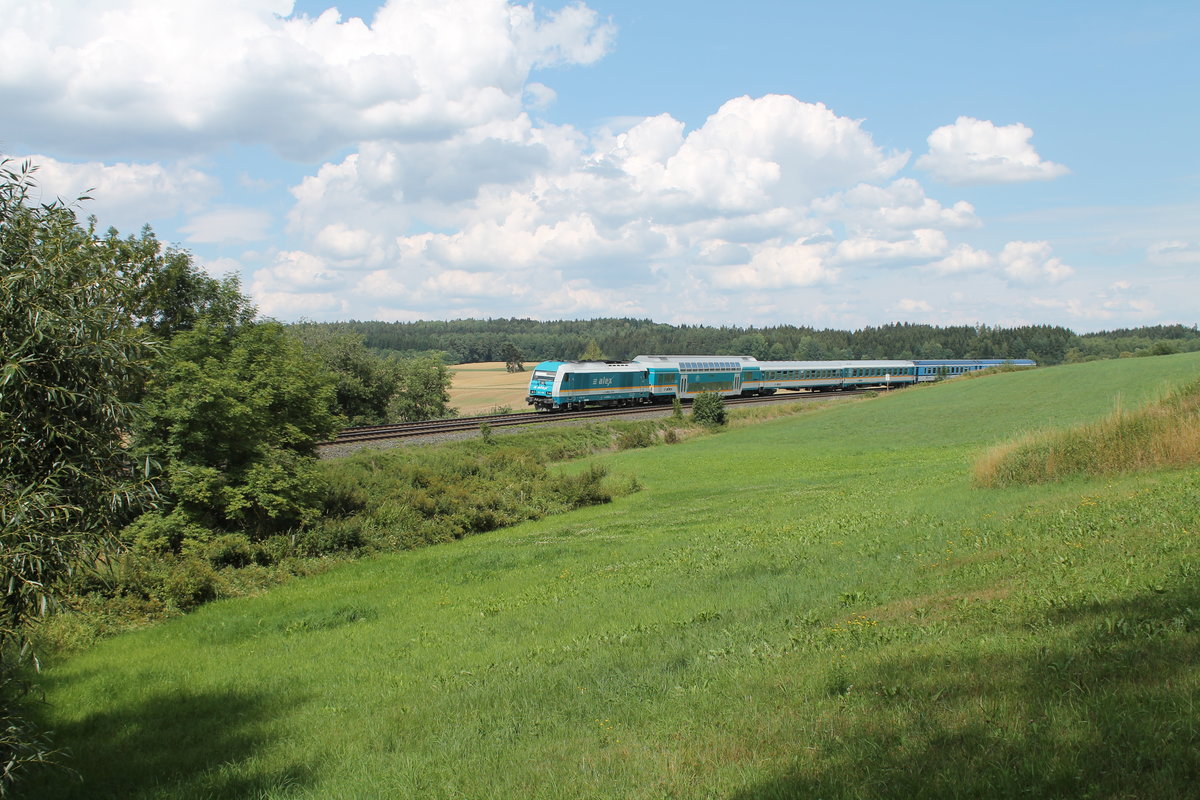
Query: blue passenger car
(932, 370)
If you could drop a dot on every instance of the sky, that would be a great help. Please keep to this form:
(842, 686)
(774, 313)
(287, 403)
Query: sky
(766, 162)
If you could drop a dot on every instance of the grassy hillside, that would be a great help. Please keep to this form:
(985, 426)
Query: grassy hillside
(821, 606)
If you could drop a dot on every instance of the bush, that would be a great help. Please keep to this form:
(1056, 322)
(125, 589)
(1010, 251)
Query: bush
(189, 583)
(332, 536)
(709, 409)
(231, 550)
(584, 489)
(637, 436)
(343, 495)
(158, 533)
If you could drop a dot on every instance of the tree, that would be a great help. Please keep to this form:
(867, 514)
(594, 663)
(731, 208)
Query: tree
(1161, 348)
(70, 359)
(169, 293)
(424, 391)
(709, 409)
(513, 357)
(592, 352)
(366, 383)
(233, 419)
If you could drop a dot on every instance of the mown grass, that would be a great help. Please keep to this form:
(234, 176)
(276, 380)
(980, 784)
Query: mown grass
(1162, 433)
(819, 606)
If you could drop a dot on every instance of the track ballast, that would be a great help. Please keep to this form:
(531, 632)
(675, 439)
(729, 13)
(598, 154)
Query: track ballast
(404, 430)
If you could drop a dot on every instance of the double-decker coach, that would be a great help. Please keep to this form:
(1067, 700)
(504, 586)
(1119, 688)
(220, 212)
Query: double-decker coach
(686, 377)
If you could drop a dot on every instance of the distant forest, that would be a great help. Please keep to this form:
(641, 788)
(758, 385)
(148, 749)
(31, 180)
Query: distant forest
(472, 340)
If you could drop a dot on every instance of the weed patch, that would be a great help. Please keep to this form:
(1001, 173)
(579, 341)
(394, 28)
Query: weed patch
(1163, 433)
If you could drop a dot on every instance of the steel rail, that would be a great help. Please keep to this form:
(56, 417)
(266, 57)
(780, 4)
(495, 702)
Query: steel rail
(404, 430)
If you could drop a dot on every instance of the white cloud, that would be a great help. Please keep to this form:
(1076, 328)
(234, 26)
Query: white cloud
(919, 247)
(907, 305)
(963, 258)
(778, 267)
(629, 207)
(100, 78)
(1100, 306)
(539, 96)
(1173, 253)
(978, 151)
(898, 207)
(1031, 262)
(353, 246)
(220, 267)
(297, 272)
(452, 226)
(124, 195)
(228, 225)
(1020, 263)
(774, 150)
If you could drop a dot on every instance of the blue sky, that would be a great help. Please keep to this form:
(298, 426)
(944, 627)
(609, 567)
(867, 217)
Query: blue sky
(838, 164)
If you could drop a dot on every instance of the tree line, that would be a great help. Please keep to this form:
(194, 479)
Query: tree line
(476, 340)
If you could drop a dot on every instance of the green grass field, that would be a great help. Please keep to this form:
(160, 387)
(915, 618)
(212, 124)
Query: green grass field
(821, 606)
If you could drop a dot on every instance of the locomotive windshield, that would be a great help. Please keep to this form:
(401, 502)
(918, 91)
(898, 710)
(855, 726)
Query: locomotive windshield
(542, 375)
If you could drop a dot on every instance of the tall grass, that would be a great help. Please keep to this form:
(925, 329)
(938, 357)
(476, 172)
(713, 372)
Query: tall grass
(1162, 433)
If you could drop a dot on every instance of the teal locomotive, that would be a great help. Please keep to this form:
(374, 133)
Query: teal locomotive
(558, 385)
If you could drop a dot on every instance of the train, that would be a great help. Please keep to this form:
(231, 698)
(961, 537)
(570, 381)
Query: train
(573, 385)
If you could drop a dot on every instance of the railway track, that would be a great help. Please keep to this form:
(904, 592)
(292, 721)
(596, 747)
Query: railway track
(404, 430)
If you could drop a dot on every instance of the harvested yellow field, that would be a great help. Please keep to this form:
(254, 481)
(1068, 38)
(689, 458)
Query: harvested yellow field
(480, 388)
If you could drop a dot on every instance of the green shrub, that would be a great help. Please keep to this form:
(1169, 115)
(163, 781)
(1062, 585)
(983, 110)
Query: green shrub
(344, 495)
(231, 550)
(332, 536)
(188, 583)
(709, 409)
(155, 532)
(583, 489)
(637, 436)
